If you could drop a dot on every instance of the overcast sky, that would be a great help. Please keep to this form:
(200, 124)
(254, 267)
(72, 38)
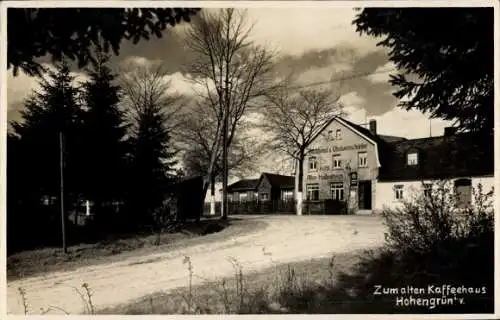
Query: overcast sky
(315, 42)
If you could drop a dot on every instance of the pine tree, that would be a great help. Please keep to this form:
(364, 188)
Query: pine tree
(52, 110)
(151, 163)
(104, 130)
(450, 52)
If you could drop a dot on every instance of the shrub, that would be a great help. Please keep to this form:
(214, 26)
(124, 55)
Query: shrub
(425, 221)
(436, 241)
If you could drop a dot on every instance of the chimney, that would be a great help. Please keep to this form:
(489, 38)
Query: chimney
(373, 126)
(449, 131)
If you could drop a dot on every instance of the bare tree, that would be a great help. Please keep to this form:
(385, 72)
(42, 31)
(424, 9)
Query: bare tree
(233, 71)
(144, 86)
(294, 118)
(198, 135)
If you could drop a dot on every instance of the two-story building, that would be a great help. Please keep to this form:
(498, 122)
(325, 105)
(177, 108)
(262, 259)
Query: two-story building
(351, 163)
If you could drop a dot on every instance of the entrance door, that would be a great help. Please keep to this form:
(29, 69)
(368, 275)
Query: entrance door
(365, 195)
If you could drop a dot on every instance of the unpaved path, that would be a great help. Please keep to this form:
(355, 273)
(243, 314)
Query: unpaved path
(285, 239)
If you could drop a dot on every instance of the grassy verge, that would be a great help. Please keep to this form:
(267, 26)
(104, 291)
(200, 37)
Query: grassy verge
(346, 283)
(40, 261)
(285, 288)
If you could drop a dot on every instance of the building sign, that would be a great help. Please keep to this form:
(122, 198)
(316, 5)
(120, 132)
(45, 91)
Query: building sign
(332, 177)
(353, 178)
(333, 149)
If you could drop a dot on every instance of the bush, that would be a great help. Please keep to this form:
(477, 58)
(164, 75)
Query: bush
(425, 222)
(435, 241)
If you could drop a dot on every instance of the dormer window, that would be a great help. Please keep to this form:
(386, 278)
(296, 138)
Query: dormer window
(412, 159)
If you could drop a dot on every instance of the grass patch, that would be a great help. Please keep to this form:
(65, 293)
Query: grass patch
(285, 288)
(40, 261)
(345, 283)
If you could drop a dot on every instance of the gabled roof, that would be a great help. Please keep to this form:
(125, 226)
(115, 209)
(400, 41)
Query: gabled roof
(460, 155)
(279, 181)
(365, 133)
(374, 137)
(244, 185)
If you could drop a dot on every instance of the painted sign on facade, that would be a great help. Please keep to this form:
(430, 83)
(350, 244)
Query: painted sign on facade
(332, 177)
(332, 149)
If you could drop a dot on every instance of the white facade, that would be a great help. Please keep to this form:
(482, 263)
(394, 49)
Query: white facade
(387, 197)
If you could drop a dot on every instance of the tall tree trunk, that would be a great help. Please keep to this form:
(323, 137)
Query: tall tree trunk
(212, 196)
(300, 178)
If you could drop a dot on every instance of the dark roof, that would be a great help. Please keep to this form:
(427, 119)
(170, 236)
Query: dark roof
(280, 181)
(243, 185)
(391, 139)
(384, 146)
(459, 155)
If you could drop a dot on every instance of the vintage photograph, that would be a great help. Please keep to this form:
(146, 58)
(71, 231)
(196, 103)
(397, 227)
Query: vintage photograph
(292, 158)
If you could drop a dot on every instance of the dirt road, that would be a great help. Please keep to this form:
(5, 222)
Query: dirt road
(285, 239)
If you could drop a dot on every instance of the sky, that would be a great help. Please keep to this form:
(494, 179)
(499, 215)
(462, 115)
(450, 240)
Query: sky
(317, 43)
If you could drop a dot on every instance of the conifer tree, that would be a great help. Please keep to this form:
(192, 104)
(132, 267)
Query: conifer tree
(49, 112)
(151, 163)
(104, 131)
(52, 110)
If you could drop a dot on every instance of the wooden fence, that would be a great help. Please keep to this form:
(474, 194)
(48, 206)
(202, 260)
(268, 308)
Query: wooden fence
(328, 207)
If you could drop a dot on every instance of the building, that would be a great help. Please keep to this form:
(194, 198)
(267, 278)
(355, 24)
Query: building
(369, 171)
(242, 190)
(268, 187)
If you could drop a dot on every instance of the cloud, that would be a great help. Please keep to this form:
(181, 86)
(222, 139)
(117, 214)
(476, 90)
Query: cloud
(140, 61)
(352, 99)
(354, 106)
(295, 30)
(411, 124)
(381, 74)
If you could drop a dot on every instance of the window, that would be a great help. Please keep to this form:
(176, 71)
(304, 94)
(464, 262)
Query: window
(398, 192)
(337, 191)
(312, 191)
(337, 135)
(330, 135)
(427, 189)
(264, 196)
(313, 163)
(337, 162)
(243, 197)
(286, 195)
(412, 159)
(362, 156)
(463, 190)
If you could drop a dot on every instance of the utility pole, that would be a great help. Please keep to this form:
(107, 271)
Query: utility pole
(61, 166)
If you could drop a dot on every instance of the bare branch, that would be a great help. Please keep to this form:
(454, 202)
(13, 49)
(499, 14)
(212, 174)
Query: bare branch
(145, 87)
(234, 73)
(294, 119)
